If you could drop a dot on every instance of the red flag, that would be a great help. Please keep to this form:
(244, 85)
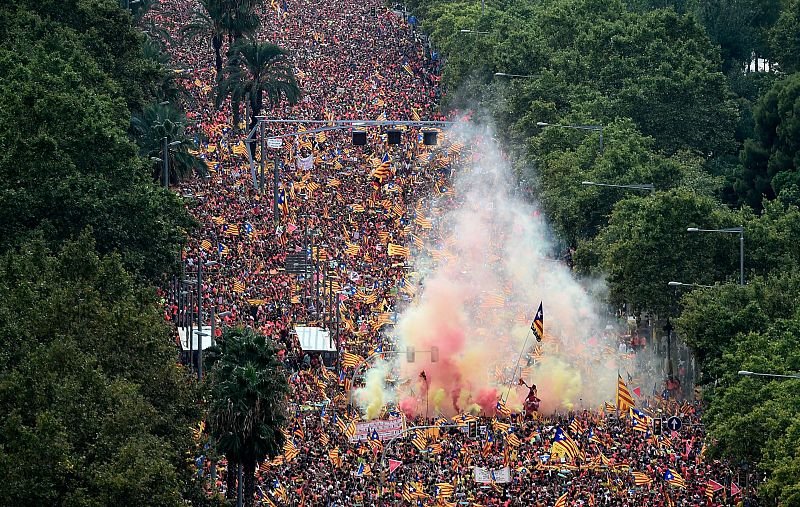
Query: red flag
(637, 391)
(735, 489)
(394, 465)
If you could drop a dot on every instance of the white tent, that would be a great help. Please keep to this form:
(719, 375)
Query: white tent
(314, 339)
(183, 331)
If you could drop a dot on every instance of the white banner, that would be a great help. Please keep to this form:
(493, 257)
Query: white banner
(486, 475)
(305, 164)
(386, 428)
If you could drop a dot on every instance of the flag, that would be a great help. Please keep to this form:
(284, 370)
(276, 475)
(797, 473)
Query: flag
(537, 326)
(444, 490)
(415, 114)
(712, 487)
(674, 478)
(407, 68)
(205, 245)
(501, 409)
(419, 440)
(290, 451)
(513, 440)
(562, 501)
(637, 391)
(735, 490)
(394, 465)
(399, 250)
(335, 457)
(238, 287)
(563, 442)
(231, 229)
(624, 399)
(641, 479)
(351, 360)
(363, 470)
(375, 442)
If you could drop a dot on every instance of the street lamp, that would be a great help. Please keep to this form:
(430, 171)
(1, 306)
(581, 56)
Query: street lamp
(523, 76)
(167, 146)
(745, 373)
(598, 128)
(681, 284)
(634, 186)
(730, 230)
(476, 32)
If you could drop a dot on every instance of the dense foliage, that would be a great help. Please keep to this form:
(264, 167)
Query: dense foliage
(699, 99)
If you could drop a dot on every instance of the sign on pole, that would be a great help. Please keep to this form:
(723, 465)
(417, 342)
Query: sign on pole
(274, 142)
(674, 423)
(386, 429)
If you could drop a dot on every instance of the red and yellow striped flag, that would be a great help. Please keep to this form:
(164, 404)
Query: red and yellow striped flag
(624, 398)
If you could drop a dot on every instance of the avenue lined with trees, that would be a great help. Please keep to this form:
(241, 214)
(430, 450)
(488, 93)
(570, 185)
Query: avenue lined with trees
(701, 99)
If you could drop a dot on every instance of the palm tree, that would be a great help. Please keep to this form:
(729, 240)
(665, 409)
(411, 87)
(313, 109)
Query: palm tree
(151, 126)
(240, 19)
(255, 69)
(209, 22)
(248, 397)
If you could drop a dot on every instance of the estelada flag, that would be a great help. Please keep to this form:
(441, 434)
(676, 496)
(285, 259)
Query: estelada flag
(537, 326)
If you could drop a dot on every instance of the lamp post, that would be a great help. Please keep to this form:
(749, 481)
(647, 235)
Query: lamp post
(729, 230)
(745, 373)
(597, 128)
(695, 285)
(512, 76)
(633, 186)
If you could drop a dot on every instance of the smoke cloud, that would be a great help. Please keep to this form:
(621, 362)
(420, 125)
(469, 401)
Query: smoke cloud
(479, 280)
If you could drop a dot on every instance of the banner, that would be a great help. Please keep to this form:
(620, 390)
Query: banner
(486, 475)
(386, 429)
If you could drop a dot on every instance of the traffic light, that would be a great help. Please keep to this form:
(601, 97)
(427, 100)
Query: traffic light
(359, 137)
(429, 137)
(393, 136)
(472, 429)
(657, 426)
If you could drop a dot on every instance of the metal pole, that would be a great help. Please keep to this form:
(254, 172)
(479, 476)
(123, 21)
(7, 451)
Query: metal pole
(213, 324)
(741, 256)
(190, 315)
(275, 186)
(239, 496)
(263, 160)
(166, 163)
(601, 140)
(200, 320)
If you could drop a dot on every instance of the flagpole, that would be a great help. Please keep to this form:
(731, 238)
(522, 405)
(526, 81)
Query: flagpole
(514, 374)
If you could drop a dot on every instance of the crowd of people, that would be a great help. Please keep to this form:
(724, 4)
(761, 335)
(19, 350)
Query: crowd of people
(352, 207)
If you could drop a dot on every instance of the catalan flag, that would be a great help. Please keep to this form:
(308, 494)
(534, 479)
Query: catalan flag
(238, 287)
(423, 222)
(222, 249)
(624, 398)
(502, 410)
(231, 229)
(444, 490)
(562, 501)
(537, 326)
(399, 250)
(290, 451)
(419, 440)
(641, 479)
(513, 440)
(415, 114)
(352, 248)
(205, 245)
(408, 69)
(564, 443)
(351, 360)
(673, 478)
(335, 457)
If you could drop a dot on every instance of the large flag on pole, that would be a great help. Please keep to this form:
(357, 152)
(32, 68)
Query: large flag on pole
(537, 326)
(624, 398)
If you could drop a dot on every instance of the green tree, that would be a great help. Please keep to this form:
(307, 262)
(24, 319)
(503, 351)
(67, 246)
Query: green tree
(785, 38)
(771, 160)
(645, 246)
(95, 410)
(67, 161)
(256, 69)
(210, 23)
(579, 212)
(249, 394)
(159, 121)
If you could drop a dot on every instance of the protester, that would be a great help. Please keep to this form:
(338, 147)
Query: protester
(356, 60)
